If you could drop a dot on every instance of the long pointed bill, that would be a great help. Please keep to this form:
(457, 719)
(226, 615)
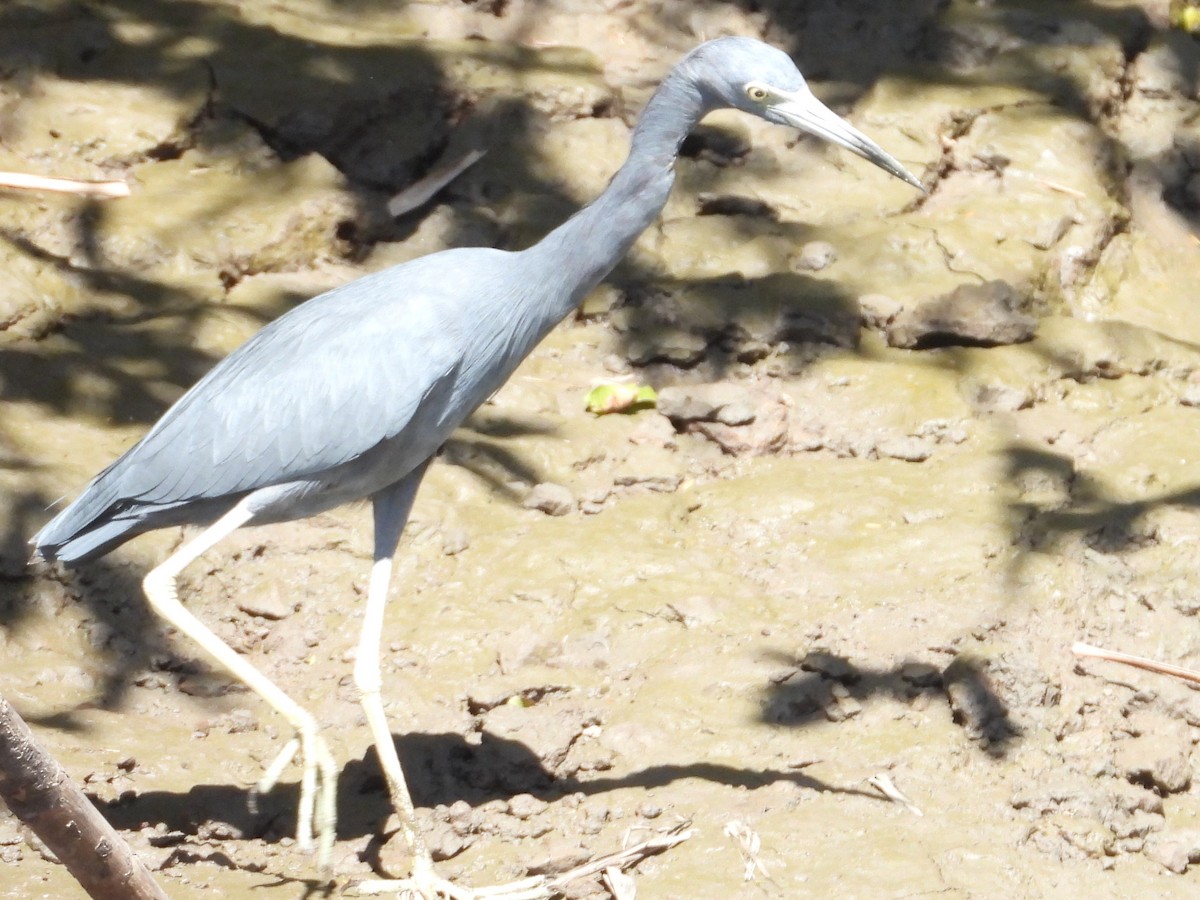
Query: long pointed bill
(806, 112)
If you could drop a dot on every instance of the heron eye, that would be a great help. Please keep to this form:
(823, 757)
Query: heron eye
(756, 92)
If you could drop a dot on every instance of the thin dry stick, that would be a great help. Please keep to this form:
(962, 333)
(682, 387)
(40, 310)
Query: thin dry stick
(623, 859)
(40, 794)
(620, 885)
(1046, 182)
(540, 887)
(882, 783)
(422, 191)
(64, 185)
(1140, 662)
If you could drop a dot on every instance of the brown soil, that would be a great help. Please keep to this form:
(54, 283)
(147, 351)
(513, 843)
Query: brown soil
(916, 446)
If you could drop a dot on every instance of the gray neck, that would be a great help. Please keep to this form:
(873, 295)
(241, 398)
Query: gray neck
(574, 257)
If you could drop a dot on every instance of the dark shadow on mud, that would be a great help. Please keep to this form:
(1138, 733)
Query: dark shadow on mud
(442, 769)
(128, 638)
(1079, 506)
(713, 324)
(825, 687)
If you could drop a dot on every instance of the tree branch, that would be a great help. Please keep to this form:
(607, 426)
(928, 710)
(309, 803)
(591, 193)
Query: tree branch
(40, 794)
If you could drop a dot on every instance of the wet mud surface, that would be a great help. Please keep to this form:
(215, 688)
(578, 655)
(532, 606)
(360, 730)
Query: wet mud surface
(909, 448)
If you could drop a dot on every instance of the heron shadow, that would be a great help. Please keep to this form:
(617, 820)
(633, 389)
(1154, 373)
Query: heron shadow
(442, 769)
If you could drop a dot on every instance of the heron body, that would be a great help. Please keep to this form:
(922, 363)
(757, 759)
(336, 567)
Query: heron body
(350, 394)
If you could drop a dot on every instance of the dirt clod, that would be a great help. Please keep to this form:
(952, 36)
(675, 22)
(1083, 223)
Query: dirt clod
(981, 315)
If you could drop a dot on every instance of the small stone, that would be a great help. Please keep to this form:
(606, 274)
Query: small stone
(455, 541)
(816, 255)
(1159, 71)
(266, 603)
(661, 484)
(831, 666)
(218, 831)
(562, 855)
(444, 841)
(552, 499)
(604, 299)
(653, 468)
(459, 811)
(680, 348)
(202, 685)
(995, 398)
(1051, 232)
(908, 449)
(1173, 851)
(878, 310)
(720, 402)
(1191, 392)
(525, 806)
(1171, 855)
(842, 706)
(1156, 761)
(240, 720)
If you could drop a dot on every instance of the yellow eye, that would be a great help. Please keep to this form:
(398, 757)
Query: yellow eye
(757, 92)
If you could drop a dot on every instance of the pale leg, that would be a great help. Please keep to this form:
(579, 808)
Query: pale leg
(318, 785)
(391, 508)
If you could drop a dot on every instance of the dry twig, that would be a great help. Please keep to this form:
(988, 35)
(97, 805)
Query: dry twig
(749, 844)
(623, 859)
(541, 888)
(422, 191)
(1140, 662)
(620, 885)
(64, 185)
(884, 785)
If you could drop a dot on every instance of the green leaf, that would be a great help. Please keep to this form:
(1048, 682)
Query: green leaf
(622, 397)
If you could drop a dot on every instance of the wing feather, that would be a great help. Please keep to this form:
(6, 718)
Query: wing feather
(311, 391)
(384, 358)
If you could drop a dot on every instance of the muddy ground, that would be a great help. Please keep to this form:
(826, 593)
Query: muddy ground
(912, 447)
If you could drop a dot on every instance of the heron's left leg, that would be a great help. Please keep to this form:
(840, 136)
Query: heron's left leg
(318, 785)
(391, 509)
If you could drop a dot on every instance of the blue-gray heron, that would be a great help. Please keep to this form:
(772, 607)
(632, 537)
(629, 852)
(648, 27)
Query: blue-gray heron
(350, 395)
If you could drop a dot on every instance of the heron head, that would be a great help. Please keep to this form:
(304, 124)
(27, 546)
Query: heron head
(762, 80)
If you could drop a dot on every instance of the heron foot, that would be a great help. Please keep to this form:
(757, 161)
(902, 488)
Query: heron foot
(317, 809)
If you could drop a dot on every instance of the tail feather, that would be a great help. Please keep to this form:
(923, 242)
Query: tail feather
(90, 543)
(86, 528)
(101, 519)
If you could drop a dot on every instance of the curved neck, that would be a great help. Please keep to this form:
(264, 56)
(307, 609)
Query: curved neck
(579, 253)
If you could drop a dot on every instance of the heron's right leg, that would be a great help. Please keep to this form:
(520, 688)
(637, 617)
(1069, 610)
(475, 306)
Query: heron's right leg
(319, 770)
